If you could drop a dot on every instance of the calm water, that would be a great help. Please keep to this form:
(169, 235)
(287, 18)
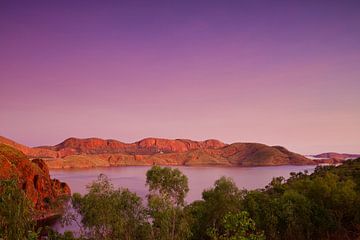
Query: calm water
(200, 178)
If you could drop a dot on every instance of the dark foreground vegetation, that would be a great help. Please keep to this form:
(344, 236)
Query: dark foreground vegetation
(323, 205)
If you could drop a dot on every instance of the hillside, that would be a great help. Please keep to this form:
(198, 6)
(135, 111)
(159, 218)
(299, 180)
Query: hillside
(30, 152)
(96, 152)
(33, 177)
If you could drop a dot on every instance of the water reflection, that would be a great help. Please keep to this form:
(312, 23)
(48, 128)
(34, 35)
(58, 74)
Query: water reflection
(200, 178)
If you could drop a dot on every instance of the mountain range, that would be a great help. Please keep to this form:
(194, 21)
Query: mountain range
(96, 152)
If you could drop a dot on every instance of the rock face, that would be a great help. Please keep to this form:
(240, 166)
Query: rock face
(95, 152)
(146, 146)
(33, 177)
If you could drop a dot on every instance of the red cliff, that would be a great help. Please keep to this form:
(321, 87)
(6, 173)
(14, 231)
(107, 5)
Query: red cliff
(33, 177)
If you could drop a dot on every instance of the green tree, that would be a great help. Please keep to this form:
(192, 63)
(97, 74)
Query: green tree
(169, 183)
(236, 226)
(109, 213)
(208, 213)
(323, 205)
(16, 213)
(168, 188)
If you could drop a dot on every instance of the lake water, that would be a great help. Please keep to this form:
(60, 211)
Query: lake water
(200, 178)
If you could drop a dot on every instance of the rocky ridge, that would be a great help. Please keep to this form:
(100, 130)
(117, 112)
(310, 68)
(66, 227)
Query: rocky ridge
(96, 152)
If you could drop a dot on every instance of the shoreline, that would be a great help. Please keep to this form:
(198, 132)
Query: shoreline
(177, 165)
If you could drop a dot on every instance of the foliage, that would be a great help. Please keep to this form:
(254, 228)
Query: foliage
(168, 183)
(223, 198)
(324, 205)
(236, 226)
(16, 212)
(53, 235)
(109, 213)
(168, 188)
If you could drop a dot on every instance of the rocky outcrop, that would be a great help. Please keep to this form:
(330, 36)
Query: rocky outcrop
(145, 146)
(33, 178)
(96, 152)
(158, 145)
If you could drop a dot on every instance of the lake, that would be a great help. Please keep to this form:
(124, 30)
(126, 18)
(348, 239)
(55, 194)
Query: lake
(200, 178)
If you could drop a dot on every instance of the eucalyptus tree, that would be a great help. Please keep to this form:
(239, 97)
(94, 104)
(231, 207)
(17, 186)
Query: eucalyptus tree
(166, 200)
(109, 213)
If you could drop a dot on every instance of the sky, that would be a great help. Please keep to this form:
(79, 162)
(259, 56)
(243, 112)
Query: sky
(276, 72)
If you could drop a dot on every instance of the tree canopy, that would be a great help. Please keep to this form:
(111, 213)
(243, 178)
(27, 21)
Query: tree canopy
(323, 205)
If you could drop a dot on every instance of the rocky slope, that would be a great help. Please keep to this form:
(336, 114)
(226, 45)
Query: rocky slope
(95, 152)
(33, 177)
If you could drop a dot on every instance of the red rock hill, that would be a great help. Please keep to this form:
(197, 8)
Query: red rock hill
(143, 147)
(33, 177)
(95, 152)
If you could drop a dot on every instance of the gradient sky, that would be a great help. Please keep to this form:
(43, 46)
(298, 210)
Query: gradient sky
(277, 72)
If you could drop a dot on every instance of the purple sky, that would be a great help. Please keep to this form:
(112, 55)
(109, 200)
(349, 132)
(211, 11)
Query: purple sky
(284, 73)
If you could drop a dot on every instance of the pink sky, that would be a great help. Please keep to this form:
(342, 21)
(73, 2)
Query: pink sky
(280, 74)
